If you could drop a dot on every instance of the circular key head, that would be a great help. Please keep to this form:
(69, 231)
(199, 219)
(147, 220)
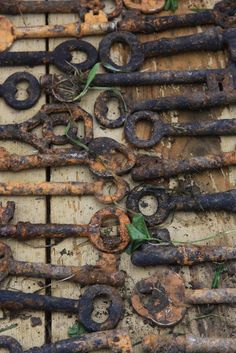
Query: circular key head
(160, 298)
(10, 89)
(86, 308)
(6, 33)
(145, 6)
(5, 257)
(109, 157)
(102, 238)
(136, 51)
(9, 343)
(121, 190)
(63, 56)
(101, 109)
(225, 13)
(158, 131)
(163, 204)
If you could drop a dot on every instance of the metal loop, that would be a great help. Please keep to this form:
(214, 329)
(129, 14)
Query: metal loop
(9, 343)
(10, 89)
(86, 307)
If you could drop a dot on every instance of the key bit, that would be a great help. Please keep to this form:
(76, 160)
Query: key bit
(117, 341)
(104, 157)
(150, 167)
(94, 231)
(85, 275)
(15, 301)
(188, 344)
(49, 117)
(163, 299)
(168, 201)
(185, 255)
(72, 188)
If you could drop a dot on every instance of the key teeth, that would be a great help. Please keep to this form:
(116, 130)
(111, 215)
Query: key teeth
(7, 212)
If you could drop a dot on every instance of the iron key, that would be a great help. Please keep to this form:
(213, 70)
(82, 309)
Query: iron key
(83, 307)
(223, 15)
(168, 202)
(72, 188)
(213, 39)
(61, 57)
(104, 272)
(116, 340)
(160, 129)
(92, 231)
(168, 290)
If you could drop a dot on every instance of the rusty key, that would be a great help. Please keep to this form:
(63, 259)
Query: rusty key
(8, 90)
(185, 255)
(48, 118)
(18, 7)
(160, 129)
(150, 167)
(212, 39)
(163, 299)
(94, 231)
(72, 188)
(104, 272)
(168, 201)
(117, 341)
(93, 24)
(223, 15)
(84, 307)
(103, 158)
(61, 57)
(188, 344)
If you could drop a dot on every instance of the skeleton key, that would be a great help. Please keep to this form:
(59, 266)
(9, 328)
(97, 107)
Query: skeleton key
(104, 272)
(103, 158)
(48, 117)
(213, 39)
(8, 90)
(72, 188)
(160, 129)
(187, 255)
(93, 231)
(92, 25)
(18, 7)
(148, 167)
(163, 299)
(221, 91)
(188, 344)
(116, 340)
(61, 57)
(168, 202)
(223, 15)
(83, 307)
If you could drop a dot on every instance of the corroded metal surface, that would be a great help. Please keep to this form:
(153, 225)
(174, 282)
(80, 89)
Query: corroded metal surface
(223, 15)
(161, 129)
(69, 188)
(163, 299)
(8, 90)
(93, 231)
(7, 212)
(169, 201)
(104, 272)
(117, 341)
(103, 158)
(188, 344)
(185, 255)
(48, 118)
(15, 301)
(150, 167)
(145, 6)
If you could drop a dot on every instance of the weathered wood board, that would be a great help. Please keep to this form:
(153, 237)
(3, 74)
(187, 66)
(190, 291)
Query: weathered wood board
(187, 227)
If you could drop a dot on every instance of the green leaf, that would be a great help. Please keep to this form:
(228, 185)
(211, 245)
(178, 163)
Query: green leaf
(75, 141)
(217, 275)
(139, 223)
(76, 330)
(138, 233)
(91, 76)
(8, 328)
(112, 68)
